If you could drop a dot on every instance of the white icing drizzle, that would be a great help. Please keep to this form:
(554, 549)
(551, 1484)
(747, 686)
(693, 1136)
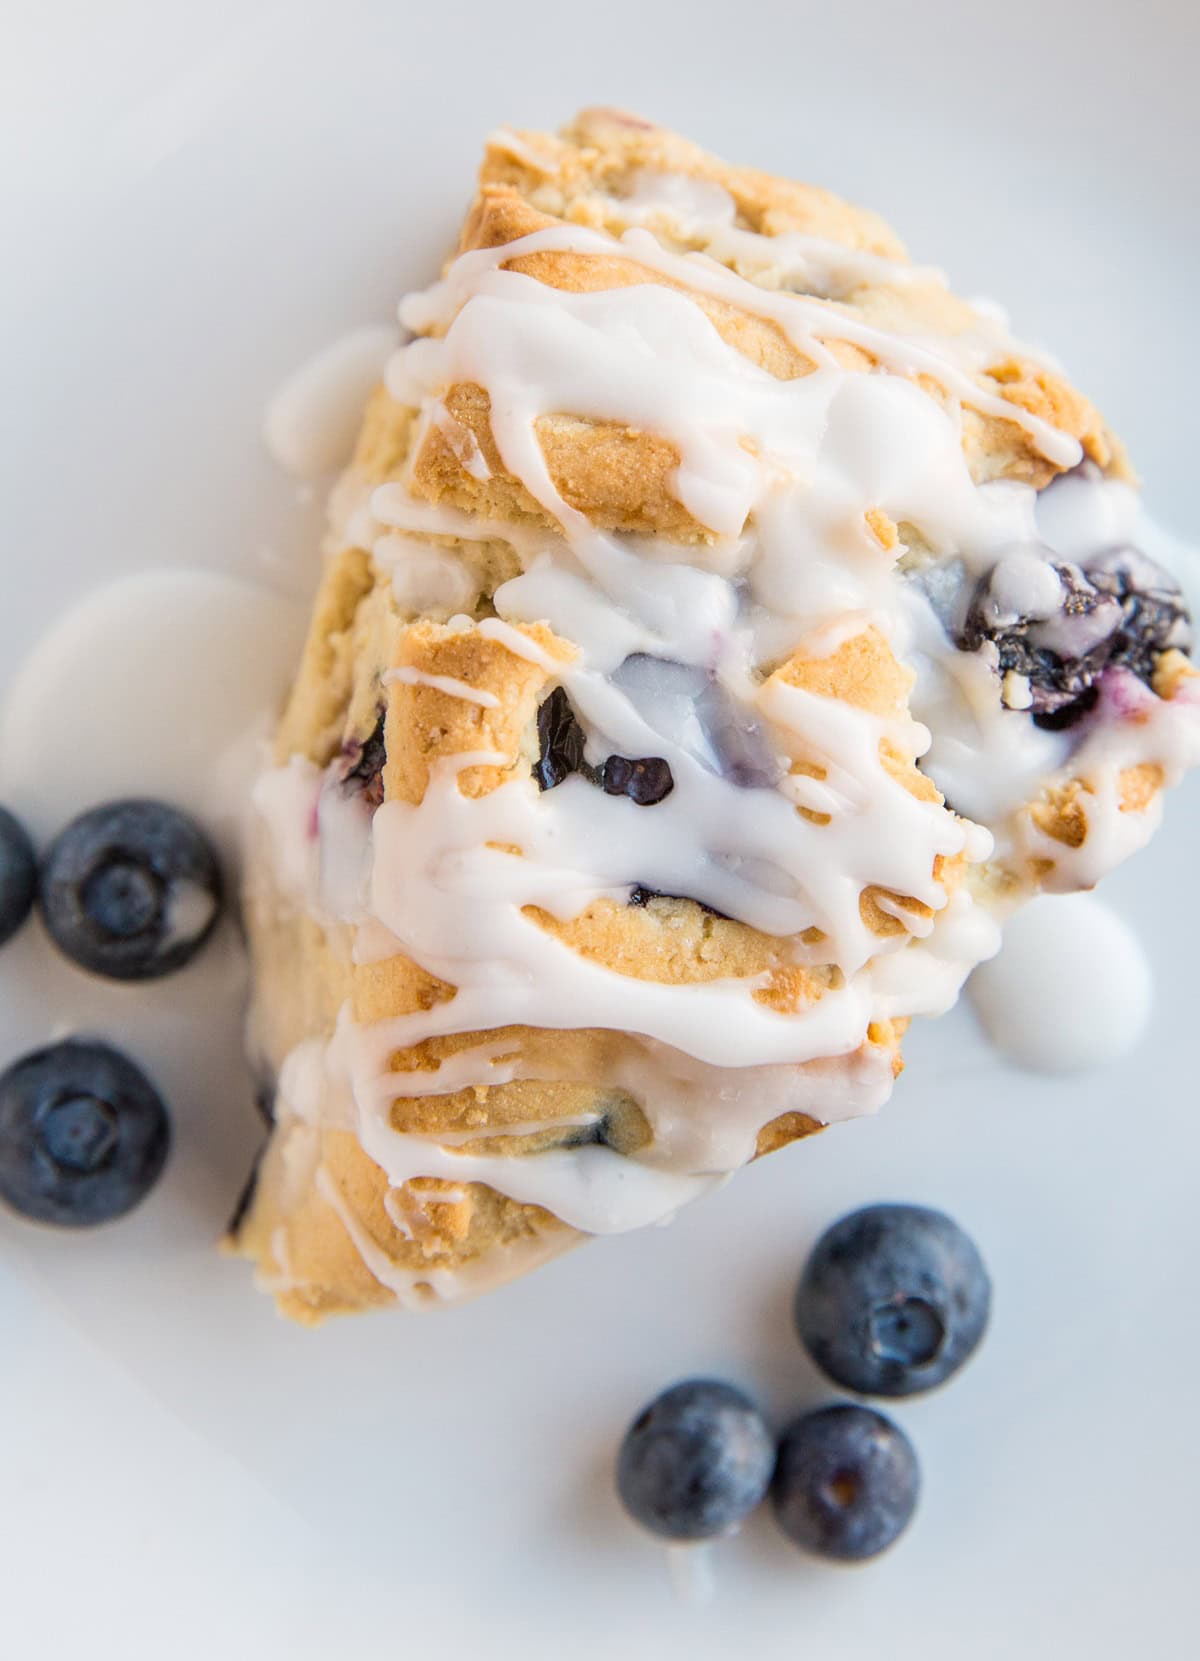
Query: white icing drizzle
(448, 684)
(405, 1205)
(417, 1289)
(701, 210)
(281, 1278)
(479, 275)
(462, 442)
(783, 475)
(495, 628)
(700, 1132)
(701, 1120)
(519, 147)
(391, 504)
(1130, 727)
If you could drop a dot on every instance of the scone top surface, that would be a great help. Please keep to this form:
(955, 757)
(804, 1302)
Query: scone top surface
(694, 541)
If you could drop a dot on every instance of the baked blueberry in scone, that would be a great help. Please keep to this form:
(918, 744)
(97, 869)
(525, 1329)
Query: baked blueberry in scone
(722, 626)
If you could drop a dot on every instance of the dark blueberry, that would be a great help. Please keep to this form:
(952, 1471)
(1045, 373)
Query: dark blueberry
(130, 890)
(561, 751)
(83, 1134)
(365, 763)
(695, 1461)
(846, 1482)
(560, 741)
(893, 1300)
(646, 781)
(1061, 717)
(18, 875)
(1060, 656)
(1154, 615)
(1120, 610)
(640, 895)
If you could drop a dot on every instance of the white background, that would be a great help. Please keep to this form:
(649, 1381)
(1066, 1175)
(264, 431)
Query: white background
(197, 196)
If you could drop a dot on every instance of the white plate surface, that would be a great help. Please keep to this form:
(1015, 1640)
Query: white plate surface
(198, 196)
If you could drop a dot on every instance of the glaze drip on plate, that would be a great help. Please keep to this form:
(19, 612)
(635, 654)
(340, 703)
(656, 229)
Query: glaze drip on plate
(754, 624)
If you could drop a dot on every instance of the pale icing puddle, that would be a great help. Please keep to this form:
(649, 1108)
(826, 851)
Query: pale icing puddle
(1070, 990)
(690, 1566)
(313, 419)
(161, 684)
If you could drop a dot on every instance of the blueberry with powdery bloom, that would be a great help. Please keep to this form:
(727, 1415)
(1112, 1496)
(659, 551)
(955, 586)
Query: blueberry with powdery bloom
(130, 890)
(18, 875)
(846, 1483)
(893, 1300)
(84, 1134)
(695, 1462)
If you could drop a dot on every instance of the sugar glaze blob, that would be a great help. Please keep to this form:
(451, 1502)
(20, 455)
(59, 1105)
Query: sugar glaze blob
(1071, 989)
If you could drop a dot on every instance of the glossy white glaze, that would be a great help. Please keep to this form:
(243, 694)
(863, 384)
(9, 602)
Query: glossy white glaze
(1070, 991)
(167, 682)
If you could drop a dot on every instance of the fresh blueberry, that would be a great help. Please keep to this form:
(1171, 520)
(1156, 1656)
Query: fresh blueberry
(846, 1482)
(83, 1134)
(130, 890)
(18, 875)
(695, 1461)
(893, 1300)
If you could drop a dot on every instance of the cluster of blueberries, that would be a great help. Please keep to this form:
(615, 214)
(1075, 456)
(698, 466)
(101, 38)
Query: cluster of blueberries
(893, 1300)
(130, 890)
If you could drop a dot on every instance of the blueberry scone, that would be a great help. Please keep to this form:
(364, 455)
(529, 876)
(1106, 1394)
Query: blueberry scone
(722, 627)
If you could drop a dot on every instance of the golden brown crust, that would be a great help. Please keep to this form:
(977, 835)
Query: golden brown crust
(1061, 811)
(596, 159)
(315, 717)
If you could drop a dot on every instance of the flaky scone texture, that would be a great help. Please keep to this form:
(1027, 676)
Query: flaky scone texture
(376, 696)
